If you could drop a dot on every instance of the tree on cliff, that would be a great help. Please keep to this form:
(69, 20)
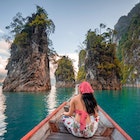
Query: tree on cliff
(64, 73)
(28, 66)
(81, 75)
(22, 28)
(102, 67)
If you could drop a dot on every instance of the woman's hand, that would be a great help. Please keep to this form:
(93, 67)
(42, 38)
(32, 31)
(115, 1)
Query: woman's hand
(66, 113)
(70, 110)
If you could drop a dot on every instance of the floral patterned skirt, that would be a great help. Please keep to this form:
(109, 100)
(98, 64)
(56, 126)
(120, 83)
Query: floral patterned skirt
(74, 127)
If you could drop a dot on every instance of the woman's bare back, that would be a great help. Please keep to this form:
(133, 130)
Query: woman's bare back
(79, 105)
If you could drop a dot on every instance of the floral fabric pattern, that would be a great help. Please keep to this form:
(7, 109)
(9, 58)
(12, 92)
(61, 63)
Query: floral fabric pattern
(74, 127)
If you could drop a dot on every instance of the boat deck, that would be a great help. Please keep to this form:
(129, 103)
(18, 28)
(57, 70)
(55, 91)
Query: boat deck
(52, 128)
(63, 134)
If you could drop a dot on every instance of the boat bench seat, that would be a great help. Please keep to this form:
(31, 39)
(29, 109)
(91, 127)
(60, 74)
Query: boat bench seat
(106, 130)
(66, 136)
(53, 126)
(57, 127)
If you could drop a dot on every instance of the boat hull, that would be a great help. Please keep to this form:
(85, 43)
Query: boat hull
(111, 129)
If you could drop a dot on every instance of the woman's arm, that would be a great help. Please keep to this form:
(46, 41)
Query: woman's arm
(71, 109)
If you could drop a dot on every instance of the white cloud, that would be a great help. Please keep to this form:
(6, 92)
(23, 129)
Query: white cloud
(1, 31)
(74, 57)
(4, 49)
(3, 72)
(3, 63)
(4, 55)
(4, 44)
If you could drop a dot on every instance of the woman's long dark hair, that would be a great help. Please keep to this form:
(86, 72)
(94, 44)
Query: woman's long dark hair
(90, 102)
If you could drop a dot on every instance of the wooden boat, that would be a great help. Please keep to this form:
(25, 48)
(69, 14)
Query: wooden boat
(52, 128)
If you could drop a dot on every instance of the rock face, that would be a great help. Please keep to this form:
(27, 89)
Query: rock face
(28, 66)
(128, 38)
(101, 65)
(124, 21)
(63, 84)
(101, 78)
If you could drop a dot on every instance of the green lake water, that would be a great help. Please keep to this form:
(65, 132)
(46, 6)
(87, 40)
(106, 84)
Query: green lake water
(20, 112)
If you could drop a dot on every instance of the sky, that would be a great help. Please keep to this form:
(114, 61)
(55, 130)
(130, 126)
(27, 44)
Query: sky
(72, 19)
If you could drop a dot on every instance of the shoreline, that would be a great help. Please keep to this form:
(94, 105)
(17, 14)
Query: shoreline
(132, 85)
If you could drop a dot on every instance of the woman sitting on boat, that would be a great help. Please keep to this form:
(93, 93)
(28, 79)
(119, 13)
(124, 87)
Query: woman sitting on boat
(82, 118)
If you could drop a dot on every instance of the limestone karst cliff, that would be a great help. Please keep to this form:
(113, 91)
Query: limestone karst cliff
(101, 67)
(128, 49)
(28, 65)
(64, 74)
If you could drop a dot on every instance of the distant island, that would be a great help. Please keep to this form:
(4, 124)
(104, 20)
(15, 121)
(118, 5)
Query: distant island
(28, 65)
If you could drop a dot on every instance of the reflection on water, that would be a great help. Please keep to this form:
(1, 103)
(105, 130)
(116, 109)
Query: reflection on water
(52, 99)
(57, 96)
(2, 115)
(76, 89)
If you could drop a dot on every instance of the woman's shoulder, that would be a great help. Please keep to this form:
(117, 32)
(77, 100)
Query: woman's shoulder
(75, 98)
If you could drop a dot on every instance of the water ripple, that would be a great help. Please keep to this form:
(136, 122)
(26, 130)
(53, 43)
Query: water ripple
(52, 99)
(3, 124)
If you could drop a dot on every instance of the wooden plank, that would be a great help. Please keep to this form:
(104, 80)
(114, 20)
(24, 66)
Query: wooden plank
(62, 128)
(63, 136)
(117, 127)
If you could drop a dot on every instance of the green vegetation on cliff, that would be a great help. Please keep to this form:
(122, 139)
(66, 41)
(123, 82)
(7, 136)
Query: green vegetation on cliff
(128, 50)
(81, 75)
(24, 28)
(65, 70)
(103, 51)
(98, 62)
